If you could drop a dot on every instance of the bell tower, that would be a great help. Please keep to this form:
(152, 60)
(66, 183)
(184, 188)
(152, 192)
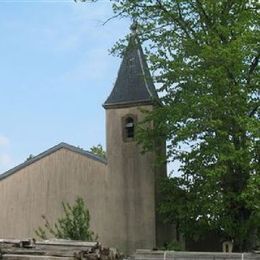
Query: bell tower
(131, 176)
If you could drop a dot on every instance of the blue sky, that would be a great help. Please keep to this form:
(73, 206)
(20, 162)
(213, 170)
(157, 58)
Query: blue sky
(56, 72)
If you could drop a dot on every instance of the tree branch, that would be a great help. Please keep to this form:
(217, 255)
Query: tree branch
(252, 67)
(112, 17)
(207, 19)
(209, 23)
(252, 113)
(181, 23)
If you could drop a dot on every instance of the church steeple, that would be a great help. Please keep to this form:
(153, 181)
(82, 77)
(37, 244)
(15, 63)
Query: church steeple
(132, 175)
(134, 85)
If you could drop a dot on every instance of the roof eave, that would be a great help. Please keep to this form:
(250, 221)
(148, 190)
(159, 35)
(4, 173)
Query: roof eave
(128, 104)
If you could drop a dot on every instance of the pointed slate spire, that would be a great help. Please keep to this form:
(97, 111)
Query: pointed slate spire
(134, 85)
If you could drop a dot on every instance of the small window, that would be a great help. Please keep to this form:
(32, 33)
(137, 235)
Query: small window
(129, 127)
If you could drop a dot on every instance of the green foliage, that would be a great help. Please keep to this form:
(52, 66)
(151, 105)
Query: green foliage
(29, 157)
(99, 151)
(205, 54)
(173, 246)
(74, 225)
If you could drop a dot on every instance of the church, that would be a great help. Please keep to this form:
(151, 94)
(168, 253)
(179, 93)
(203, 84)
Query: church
(121, 191)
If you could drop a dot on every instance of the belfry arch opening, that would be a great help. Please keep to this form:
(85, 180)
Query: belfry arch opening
(129, 124)
(130, 127)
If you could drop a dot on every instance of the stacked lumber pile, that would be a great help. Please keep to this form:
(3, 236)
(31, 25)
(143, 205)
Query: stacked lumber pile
(55, 249)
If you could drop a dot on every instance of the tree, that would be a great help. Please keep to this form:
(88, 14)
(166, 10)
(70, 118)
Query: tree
(31, 156)
(205, 56)
(99, 151)
(73, 225)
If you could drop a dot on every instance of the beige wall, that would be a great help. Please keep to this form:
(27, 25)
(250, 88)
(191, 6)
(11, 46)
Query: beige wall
(132, 175)
(41, 187)
(120, 195)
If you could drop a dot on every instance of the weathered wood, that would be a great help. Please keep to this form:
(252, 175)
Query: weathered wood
(62, 242)
(32, 257)
(55, 249)
(10, 241)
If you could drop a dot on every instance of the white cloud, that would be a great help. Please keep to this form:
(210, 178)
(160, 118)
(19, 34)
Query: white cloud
(4, 141)
(5, 160)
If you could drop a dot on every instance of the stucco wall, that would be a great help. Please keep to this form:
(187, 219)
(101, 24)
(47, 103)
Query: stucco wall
(41, 187)
(132, 176)
(120, 195)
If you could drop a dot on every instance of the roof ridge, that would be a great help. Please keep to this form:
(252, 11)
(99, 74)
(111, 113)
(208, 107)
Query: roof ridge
(50, 151)
(142, 67)
(83, 151)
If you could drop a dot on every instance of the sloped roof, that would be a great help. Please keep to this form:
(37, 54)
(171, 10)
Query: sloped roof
(134, 84)
(50, 151)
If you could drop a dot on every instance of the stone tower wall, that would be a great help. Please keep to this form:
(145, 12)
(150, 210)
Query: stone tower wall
(131, 182)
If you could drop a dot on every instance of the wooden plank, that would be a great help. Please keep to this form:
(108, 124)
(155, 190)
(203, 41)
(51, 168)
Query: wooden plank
(51, 249)
(61, 242)
(56, 252)
(32, 257)
(10, 241)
